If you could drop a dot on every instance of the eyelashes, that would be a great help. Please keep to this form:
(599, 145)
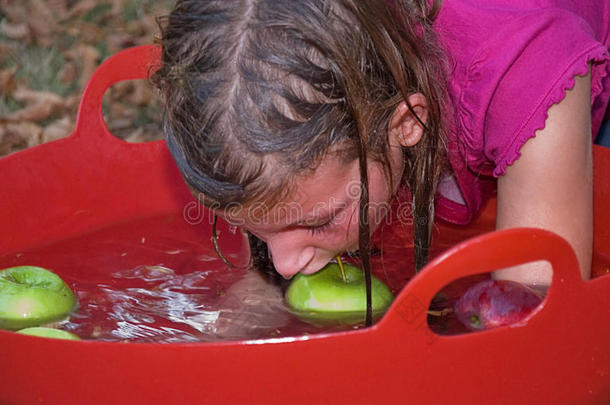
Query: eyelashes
(320, 229)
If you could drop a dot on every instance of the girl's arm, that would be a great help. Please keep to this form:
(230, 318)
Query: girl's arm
(550, 185)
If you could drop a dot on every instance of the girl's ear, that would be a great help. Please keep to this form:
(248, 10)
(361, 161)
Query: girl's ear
(404, 127)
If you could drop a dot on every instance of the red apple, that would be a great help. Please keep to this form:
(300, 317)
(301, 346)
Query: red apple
(493, 303)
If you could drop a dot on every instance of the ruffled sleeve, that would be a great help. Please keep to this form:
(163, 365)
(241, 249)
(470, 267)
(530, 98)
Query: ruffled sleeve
(510, 62)
(518, 75)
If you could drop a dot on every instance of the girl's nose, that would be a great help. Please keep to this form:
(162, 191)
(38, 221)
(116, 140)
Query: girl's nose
(288, 257)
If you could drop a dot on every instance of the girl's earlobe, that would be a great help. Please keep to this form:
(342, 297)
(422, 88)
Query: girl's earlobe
(405, 127)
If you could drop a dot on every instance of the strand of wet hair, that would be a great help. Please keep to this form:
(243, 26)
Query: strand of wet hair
(259, 257)
(217, 247)
(261, 261)
(364, 230)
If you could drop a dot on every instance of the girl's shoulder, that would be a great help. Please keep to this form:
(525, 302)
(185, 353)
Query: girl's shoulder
(509, 62)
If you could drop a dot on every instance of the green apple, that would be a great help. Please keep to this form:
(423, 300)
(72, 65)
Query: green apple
(32, 296)
(49, 333)
(325, 295)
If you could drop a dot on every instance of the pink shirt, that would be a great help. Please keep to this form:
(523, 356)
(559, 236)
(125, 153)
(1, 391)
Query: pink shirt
(510, 61)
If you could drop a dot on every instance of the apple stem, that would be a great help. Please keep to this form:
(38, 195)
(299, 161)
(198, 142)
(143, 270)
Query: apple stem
(442, 312)
(340, 263)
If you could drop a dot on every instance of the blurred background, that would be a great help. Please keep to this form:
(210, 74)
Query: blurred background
(48, 51)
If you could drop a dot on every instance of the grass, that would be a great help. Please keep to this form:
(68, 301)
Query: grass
(39, 67)
(135, 9)
(8, 105)
(97, 13)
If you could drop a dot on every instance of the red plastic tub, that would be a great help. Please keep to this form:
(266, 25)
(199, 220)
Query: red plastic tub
(92, 180)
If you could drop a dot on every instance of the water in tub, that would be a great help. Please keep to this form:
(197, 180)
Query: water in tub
(160, 280)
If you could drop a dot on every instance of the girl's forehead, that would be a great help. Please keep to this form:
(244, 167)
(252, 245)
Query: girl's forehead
(312, 195)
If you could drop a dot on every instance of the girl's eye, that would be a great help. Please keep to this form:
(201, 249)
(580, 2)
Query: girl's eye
(319, 229)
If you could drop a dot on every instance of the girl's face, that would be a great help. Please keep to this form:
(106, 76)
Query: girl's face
(320, 219)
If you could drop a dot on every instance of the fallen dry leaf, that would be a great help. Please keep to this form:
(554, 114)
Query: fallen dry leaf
(10, 142)
(123, 111)
(14, 10)
(68, 72)
(136, 136)
(28, 96)
(89, 57)
(81, 7)
(136, 28)
(141, 94)
(119, 40)
(8, 51)
(40, 105)
(118, 6)
(57, 129)
(118, 124)
(118, 92)
(24, 132)
(41, 22)
(72, 103)
(7, 80)
(59, 7)
(34, 112)
(149, 22)
(71, 37)
(15, 31)
(89, 33)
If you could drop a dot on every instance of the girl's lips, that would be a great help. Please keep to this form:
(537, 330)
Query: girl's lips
(314, 268)
(309, 270)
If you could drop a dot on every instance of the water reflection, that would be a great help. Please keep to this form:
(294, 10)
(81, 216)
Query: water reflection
(154, 304)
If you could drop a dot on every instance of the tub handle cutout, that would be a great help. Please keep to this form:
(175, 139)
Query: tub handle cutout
(130, 64)
(483, 254)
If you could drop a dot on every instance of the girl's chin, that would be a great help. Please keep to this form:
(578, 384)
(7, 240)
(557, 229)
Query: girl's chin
(307, 272)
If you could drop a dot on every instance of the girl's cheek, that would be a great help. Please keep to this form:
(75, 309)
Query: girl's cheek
(343, 237)
(347, 233)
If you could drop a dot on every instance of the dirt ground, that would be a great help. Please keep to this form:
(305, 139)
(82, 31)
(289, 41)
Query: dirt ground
(48, 51)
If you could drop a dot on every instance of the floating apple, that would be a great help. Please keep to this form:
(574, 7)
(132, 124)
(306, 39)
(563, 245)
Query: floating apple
(493, 303)
(326, 295)
(32, 296)
(49, 333)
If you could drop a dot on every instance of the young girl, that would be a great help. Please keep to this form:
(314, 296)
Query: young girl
(278, 111)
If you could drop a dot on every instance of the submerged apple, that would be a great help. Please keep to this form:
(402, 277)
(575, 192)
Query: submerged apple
(325, 295)
(49, 333)
(32, 296)
(493, 303)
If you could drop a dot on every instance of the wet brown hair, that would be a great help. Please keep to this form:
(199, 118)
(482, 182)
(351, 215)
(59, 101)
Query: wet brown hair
(257, 92)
